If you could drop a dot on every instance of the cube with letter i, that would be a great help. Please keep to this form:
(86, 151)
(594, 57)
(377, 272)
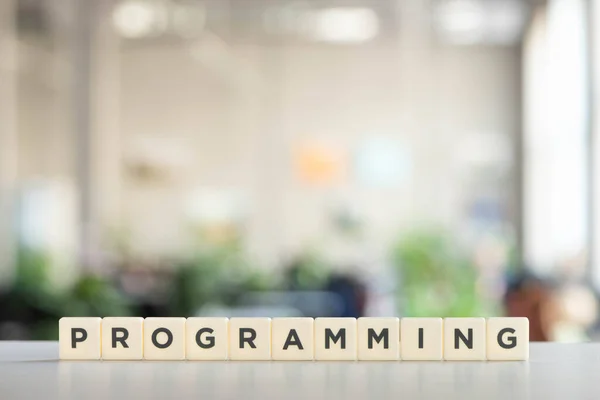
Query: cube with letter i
(421, 339)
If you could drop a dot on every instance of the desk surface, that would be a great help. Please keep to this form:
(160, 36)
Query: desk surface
(30, 370)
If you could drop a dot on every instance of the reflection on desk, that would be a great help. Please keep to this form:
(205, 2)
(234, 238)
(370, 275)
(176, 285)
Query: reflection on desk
(31, 370)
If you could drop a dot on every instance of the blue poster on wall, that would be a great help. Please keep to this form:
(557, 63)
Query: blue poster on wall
(382, 163)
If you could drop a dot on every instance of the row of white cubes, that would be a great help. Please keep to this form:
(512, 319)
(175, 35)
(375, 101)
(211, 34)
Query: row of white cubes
(134, 338)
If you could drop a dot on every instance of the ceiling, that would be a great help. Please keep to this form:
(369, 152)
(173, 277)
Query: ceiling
(277, 21)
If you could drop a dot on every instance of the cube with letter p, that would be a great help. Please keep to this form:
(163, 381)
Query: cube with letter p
(79, 338)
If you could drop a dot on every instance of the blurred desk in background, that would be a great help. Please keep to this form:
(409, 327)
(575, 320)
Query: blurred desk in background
(281, 304)
(559, 371)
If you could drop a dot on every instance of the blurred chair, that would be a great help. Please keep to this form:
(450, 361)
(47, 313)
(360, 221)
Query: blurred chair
(531, 297)
(351, 292)
(282, 304)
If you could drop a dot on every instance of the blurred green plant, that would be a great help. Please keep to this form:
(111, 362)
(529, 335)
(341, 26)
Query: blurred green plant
(308, 271)
(436, 277)
(97, 296)
(215, 275)
(34, 302)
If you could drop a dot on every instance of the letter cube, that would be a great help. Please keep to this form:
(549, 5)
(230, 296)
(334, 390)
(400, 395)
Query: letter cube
(250, 338)
(435, 339)
(79, 338)
(335, 339)
(464, 339)
(122, 338)
(508, 338)
(292, 339)
(421, 339)
(164, 339)
(207, 338)
(378, 338)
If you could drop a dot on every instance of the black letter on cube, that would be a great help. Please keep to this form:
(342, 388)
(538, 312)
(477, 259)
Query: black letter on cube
(121, 339)
(209, 339)
(169, 338)
(384, 335)
(293, 340)
(75, 339)
(330, 336)
(458, 335)
(512, 340)
(249, 340)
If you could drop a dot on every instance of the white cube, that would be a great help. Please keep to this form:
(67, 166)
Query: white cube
(335, 339)
(122, 338)
(464, 339)
(164, 339)
(508, 338)
(378, 338)
(421, 339)
(79, 338)
(207, 338)
(292, 339)
(250, 338)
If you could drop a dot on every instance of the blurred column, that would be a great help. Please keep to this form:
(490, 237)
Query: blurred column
(81, 63)
(105, 129)
(95, 97)
(8, 139)
(555, 143)
(594, 47)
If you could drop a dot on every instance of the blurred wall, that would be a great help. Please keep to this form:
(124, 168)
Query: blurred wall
(8, 139)
(232, 115)
(224, 119)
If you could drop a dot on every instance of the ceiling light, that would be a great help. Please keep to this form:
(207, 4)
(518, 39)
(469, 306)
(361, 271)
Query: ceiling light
(134, 19)
(341, 25)
(461, 20)
(476, 21)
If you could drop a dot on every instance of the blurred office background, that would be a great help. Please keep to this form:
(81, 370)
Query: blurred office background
(300, 157)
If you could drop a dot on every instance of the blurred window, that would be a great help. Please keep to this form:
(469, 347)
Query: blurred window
(555, 140)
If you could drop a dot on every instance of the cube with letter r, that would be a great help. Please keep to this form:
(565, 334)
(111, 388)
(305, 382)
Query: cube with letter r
(250, 339)
(122, 338)
(79, 338)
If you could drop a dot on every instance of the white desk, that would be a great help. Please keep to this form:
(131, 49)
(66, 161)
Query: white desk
(30, 370)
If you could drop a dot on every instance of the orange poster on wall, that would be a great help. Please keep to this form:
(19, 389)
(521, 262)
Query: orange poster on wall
(319, 163)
